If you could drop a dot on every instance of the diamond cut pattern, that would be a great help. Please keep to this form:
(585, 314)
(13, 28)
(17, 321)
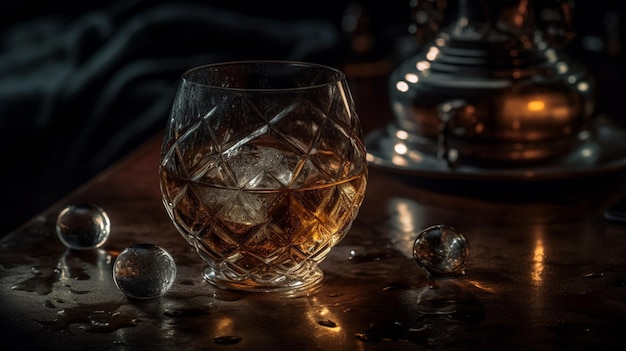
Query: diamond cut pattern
(300, 143)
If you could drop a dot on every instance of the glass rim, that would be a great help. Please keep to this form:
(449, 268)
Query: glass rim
(338, 77)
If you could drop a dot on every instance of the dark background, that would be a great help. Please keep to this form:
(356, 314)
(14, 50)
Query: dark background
(82, 83)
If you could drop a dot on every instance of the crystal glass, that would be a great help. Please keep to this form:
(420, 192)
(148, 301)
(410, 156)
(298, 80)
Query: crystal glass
(263, 170)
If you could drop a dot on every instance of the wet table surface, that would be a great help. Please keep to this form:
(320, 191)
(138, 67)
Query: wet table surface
(545, 271)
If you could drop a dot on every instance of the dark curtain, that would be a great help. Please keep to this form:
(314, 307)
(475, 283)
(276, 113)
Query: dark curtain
(81, 88)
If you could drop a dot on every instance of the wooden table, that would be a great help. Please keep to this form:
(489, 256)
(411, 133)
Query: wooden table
(546, 271)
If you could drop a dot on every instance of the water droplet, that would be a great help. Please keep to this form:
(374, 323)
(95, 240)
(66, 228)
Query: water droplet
(42, 283)
(227, 339)
(327, 323)
(441, 250)
(144, 271)
(372, 255)
(83, 227)
(452, 301)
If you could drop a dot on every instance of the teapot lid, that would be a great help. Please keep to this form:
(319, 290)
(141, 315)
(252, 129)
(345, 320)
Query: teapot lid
(492, 44)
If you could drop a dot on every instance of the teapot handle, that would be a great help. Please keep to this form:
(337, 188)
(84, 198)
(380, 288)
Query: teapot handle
(449, 117)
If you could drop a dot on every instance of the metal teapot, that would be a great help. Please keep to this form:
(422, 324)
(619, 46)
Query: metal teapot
(492, 87)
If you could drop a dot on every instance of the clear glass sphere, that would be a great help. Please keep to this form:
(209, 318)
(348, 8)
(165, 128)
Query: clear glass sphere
(144, 271)
(442, 251)
(82, 227)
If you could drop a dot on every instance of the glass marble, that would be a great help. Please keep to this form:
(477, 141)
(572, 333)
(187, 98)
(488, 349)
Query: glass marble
(144, 271)
(83, 226)
(442, 251)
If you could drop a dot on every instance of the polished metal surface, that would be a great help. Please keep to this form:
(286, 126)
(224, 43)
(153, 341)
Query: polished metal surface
(602, 152)
(525, 100)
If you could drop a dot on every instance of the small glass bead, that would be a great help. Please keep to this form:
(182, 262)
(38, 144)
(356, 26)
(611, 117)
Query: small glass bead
(83, 227)
(144, 271)
(442, 251)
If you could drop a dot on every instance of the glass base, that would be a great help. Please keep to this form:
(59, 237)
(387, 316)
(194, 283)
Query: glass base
(289, 286)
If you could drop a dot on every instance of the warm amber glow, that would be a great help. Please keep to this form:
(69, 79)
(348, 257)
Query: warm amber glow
(536, 105)
(538, 262)
(224, 326)
(554, 107)
(522, 12)
(316, 313)
(482, 286)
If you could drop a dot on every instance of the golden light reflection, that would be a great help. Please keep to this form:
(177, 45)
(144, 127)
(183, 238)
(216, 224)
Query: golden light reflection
(552, 107)
(536, 105)
(318, 314)
(538, 262)
(482, 286)
(326, 314)
(224, 326)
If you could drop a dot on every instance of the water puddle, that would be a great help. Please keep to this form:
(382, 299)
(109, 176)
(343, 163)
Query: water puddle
(95, 318)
